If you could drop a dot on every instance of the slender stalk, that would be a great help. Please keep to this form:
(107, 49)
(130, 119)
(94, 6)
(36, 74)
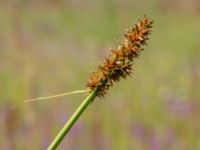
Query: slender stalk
(57, 140)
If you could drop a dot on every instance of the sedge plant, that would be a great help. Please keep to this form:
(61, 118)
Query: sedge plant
(117, 65)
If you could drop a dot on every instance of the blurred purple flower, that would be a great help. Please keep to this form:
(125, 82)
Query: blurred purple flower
(179, 108)
(139, 132)
(152, 139)
(154, 142)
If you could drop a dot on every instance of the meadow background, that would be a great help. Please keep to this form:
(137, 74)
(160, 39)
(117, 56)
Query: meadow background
(49, 47)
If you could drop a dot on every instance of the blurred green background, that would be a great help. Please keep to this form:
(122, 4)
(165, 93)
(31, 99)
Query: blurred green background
(50, 47)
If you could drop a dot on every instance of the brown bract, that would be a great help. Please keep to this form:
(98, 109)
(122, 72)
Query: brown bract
(118, 64)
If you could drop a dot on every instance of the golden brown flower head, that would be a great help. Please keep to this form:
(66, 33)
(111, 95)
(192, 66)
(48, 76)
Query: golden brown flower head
(118, 64)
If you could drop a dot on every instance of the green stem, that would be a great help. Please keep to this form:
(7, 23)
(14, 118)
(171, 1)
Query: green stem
(57, 140)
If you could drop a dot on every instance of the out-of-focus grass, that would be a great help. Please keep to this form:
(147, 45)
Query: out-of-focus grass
(50, 47)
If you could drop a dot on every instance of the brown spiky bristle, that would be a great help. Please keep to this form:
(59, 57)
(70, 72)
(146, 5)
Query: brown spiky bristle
(118, 64)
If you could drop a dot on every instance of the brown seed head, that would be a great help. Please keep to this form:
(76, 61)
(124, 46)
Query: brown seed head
(118, 64)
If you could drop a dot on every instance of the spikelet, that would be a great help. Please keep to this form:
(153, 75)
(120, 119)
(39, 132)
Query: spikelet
(118, 64)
